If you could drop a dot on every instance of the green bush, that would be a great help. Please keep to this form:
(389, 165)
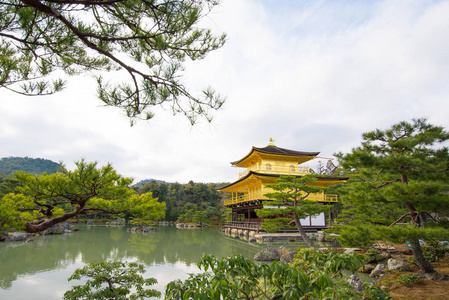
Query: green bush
(434, 251)
(407, 279)
(373, 255)
(412, 261)
(112, 280)
(239, 278)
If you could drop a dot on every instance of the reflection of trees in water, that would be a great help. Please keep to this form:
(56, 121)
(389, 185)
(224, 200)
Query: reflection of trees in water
(117, 235)
(51, 252)
(101, 243)
(96, 243)
(142, 243)
(45, 253)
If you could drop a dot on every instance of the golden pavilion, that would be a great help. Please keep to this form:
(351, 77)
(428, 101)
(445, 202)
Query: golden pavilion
(264, 166)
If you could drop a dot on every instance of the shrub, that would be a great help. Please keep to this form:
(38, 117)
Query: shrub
(412, 261)
(407, 279)
(111, 280)
(373, 255)
(433, 251)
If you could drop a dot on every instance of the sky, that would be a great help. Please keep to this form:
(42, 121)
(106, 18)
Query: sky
(312, 75)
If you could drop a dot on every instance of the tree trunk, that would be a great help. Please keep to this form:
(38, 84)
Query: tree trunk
(34, 227)
(425, 268)
(302, 232)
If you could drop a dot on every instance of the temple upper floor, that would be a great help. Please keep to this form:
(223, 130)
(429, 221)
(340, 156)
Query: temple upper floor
(275, 160)
(274, 167)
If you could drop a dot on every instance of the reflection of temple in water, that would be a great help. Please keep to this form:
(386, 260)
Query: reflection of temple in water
(264, 166)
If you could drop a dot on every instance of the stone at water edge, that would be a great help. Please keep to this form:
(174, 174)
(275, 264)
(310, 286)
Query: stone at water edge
(288, 257)
(356, 282)
(18, 236)
(268, 254)
(378, 270)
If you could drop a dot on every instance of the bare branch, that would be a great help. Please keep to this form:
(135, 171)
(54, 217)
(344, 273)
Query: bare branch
(403, 216)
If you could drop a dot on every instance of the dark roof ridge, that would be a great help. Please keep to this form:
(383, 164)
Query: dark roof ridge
(275, 149)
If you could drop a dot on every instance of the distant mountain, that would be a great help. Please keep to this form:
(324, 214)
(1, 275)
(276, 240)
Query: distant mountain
(9, 165)
(142, 182)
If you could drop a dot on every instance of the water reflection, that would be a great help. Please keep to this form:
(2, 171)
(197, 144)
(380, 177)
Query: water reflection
(168, 253)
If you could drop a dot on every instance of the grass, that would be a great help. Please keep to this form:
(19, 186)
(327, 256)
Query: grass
(421, 289)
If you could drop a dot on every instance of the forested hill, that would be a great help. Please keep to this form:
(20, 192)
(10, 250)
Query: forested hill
(9, 165)
(142, 182)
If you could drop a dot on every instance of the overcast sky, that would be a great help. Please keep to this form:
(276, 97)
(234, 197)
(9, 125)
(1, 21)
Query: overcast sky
(313, 75)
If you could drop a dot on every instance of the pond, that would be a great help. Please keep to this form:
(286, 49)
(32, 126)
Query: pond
(40, 269)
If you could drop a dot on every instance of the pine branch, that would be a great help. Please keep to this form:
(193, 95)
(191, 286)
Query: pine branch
(403, 216)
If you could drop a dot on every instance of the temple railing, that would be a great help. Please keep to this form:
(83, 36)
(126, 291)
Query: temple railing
(243, 225)
(312, 197)
(285, 170)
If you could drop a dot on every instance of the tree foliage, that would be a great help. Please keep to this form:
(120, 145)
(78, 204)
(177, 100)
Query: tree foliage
(149, 40)
(149, 211)
(329, 169)
(186, 199)
(54, 198)
(398, 175)
(13, 211)
(290, 196)
(112, 280)
(8, 184)
(239, 278)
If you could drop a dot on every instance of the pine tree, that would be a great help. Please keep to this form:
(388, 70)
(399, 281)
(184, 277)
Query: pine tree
(398, 175)
(290, 196)
(149, 40)
(49, 199)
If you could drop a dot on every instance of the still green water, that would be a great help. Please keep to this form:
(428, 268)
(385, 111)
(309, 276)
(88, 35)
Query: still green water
(39, 270)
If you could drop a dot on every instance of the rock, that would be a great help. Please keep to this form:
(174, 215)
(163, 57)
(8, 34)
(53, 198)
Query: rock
(268, 254)
(382, 276)
(55, 229)
(252, 240)
(320, 237)
(117, 222)
(288, 257)
(148, 229)
(378, 270)
(3, 236)
(312, 236)
(90, 222)
(399, 265)
(334, 243)
(434, 276)
(386, 255)
(18, 236)
(356, 282)
(368, 268)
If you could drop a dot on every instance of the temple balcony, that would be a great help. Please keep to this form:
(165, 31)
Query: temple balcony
(258, 196)
(273, 169)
